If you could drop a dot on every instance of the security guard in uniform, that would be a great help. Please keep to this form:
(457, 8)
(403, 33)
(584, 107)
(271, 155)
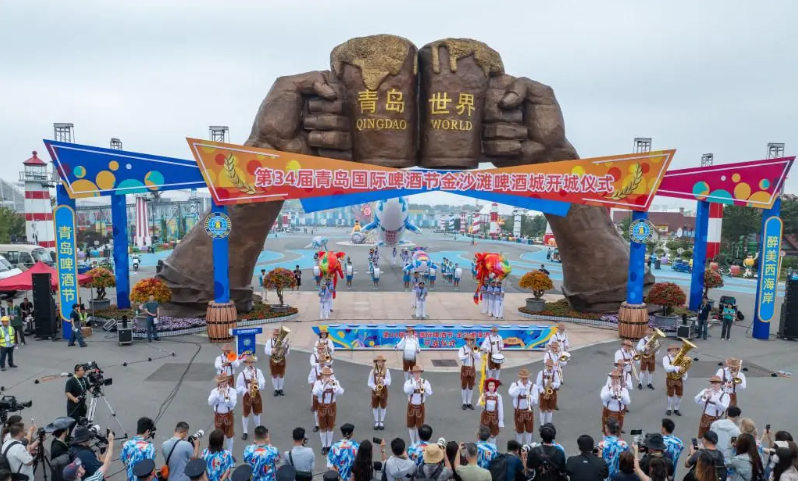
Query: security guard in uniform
(242, 473)
(144, 470)
(195, 470)
(7, 342)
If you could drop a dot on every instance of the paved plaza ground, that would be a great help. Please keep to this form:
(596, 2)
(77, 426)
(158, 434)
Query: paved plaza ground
(171, 380)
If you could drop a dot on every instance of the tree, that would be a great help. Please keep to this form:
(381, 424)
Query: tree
(712, 280)
(739, 221)
(101, 279)
(533, 226)
(537, 282)
(623, 227)
(279, 279)
(789, 214)
(87, 237)
(12, 226)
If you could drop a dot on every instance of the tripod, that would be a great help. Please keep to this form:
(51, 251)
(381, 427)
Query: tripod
(41, 458)
(96, 394)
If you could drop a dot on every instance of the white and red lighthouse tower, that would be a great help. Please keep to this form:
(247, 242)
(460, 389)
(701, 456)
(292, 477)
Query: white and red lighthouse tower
(39, 228)
(548, 235)
(463, 222)
(494, 220)
(143, 236)
(714, 230)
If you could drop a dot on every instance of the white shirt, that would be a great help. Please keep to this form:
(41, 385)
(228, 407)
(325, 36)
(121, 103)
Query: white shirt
(246, 377)
(727, 376)
(326, 342)
(609, 401)
(562, 338)
(669, 367)
(625, 382)
(716, 404)
(492, 344)
(19, 459)
(410, 347)
(316, 271)
(493, 403)
(621, 355)
(555, 380)
(414, 397)
(641, 346)
(458, 273)
(350, 269)
(269, 348)
(386, 379)
(555, 357)
(522, 394)
(316, 360)
(225, 367)
(327, 394)
(376, 272)
(467, 356)
(432, 272)
(218, 402)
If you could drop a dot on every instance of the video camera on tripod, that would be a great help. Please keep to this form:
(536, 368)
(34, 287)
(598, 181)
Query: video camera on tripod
(96, 377)
(10, 404)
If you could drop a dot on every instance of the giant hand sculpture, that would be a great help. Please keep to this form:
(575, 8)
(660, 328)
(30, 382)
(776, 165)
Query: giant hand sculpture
(371, 107)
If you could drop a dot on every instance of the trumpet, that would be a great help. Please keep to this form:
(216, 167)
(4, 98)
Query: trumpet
(705, 396)
(529, 397)
(420, 386)
(564, 358)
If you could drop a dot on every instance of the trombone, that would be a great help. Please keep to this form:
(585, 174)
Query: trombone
(635, 357)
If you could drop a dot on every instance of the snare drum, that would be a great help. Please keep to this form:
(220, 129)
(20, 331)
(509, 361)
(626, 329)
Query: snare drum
(497, 358)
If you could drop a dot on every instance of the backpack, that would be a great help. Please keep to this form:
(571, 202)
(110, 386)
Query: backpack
(4, 464)
(498, 468)
(547, 471)
(421, 476)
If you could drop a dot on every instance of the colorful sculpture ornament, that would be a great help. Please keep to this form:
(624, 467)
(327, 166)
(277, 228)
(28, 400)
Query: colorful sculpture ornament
(330, 266)
(490, 266)
(420, 262)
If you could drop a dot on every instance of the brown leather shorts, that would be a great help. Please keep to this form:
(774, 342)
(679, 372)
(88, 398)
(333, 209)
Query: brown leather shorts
(467, 377)
(327, 413)
(675, 387)
(491, 420)
(254, 406)
(380, 401)
(524, 421)
(415, 415)
(225, 423)
(277, 370)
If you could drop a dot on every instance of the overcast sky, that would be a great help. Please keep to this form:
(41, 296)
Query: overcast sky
(700, 76)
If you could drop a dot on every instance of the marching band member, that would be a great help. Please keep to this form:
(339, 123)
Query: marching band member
(498, 300)
(558, 357)
(624, 356)
(318, 361)
(485, 293)
(277, 367)
(330, 295)
(415, 282)
(525, 395)
(323, 312)
(615, 398)
(547, 382)
(421, 301)
(223, 402)
(417, 390)
(456, 276)
(715, 403)
(626, 378)
(325, 341)
(433, 274)
(728, 375)
(410, 347)
(406, 279)
(393, 257)
(492, 410)
(561, 336)
(350, 272)
(317, 273)
(375, 277)
(493, 344)
(326, 392)
(468, 373)
(489, 297)
(226, 363)
(675, 386)
(379, 380)
(250, 382)
(648, 358)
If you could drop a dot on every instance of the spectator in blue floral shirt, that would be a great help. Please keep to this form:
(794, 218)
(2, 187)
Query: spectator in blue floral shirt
(262, 456)
(416, 450)
(673, 445)
(218, 461)
(486, 450)
(612, 446)
(138, 447)
(342, 454)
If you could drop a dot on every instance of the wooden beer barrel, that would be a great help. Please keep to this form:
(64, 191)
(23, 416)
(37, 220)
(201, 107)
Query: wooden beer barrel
(220, 318)
(632, 321)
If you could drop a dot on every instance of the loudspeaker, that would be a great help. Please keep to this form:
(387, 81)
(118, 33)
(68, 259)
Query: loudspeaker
(788, 324)
(685, 331)
(43, 306)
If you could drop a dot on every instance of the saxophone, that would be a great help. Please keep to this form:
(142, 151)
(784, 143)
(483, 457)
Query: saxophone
(253, 386)
(549, 391)
(379, 380)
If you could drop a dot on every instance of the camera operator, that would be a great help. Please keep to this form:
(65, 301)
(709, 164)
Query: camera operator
(178, 451)
(59, 446)
(76, 471)
(709, 443)
(80, 449)
(399, 466)
(17, 453)
(301, 457)
(75, 391)
(138, 447)
(586, 466)
(654, 447)
(547, 460)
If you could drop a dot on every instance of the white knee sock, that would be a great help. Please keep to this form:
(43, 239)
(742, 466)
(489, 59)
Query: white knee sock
(257, 419)
(282, 383)
(276, 383)
(670, 403)
(245, 423)
(464, 394)
(542, 418)
(492, 440)
(549, 417)
(413, 435)
(230, 444)
(470, 396)
(407, 376)
(376, 412)
(519, 437)
(677, 401)
(527, 438)
(316, 419)
(382, 414)
(323, 437)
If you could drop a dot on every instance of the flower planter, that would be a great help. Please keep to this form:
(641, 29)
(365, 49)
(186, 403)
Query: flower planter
(534, 304)
(279, 308)
(100, 304)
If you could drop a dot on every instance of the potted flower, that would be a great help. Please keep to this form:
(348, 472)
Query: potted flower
(538, 282)
(150, 286)
(668, 295)
(279, 279)
(101, 278)
(712, 280)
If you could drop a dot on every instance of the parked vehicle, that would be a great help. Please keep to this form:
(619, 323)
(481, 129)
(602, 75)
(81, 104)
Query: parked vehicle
(7, 270)
(23, 256)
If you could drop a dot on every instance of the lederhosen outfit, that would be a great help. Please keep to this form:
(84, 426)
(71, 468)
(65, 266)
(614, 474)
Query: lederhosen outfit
(468, 373)
(727, 377)
(327, 409)
(523, 416)
(381, 400)
(224, 421)
(495, 348)
(607, 413)
(706, 418)
(276, 369)
(317, 370)
(551, 403)
(490, 413)
(407, 364)
(254, 406)
(675, 386)
(415, 411)
(648, 363)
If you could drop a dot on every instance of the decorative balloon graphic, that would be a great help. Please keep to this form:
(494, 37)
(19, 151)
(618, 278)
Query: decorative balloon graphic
(330, 266)
(490, 266)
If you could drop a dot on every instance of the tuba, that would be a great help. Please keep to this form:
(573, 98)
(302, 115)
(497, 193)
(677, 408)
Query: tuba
(682, 360)
(652, 343)
(280, 346)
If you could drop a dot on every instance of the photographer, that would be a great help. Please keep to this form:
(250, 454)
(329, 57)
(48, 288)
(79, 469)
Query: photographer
(586, 466)
(59, 445)
(178, 451)
(301, 457)
(657, 469)
(76, 471)
(708, 452)
(547, 460)
(654, 448)
(17, 453)
(75, 391)
(80, 450)
(138, 447)
(399, 466)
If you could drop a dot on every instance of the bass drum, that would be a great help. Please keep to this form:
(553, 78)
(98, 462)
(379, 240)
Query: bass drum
(497, 358)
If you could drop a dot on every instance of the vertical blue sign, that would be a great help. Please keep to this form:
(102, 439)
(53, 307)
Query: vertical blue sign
(66, 260)
(769, 269)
